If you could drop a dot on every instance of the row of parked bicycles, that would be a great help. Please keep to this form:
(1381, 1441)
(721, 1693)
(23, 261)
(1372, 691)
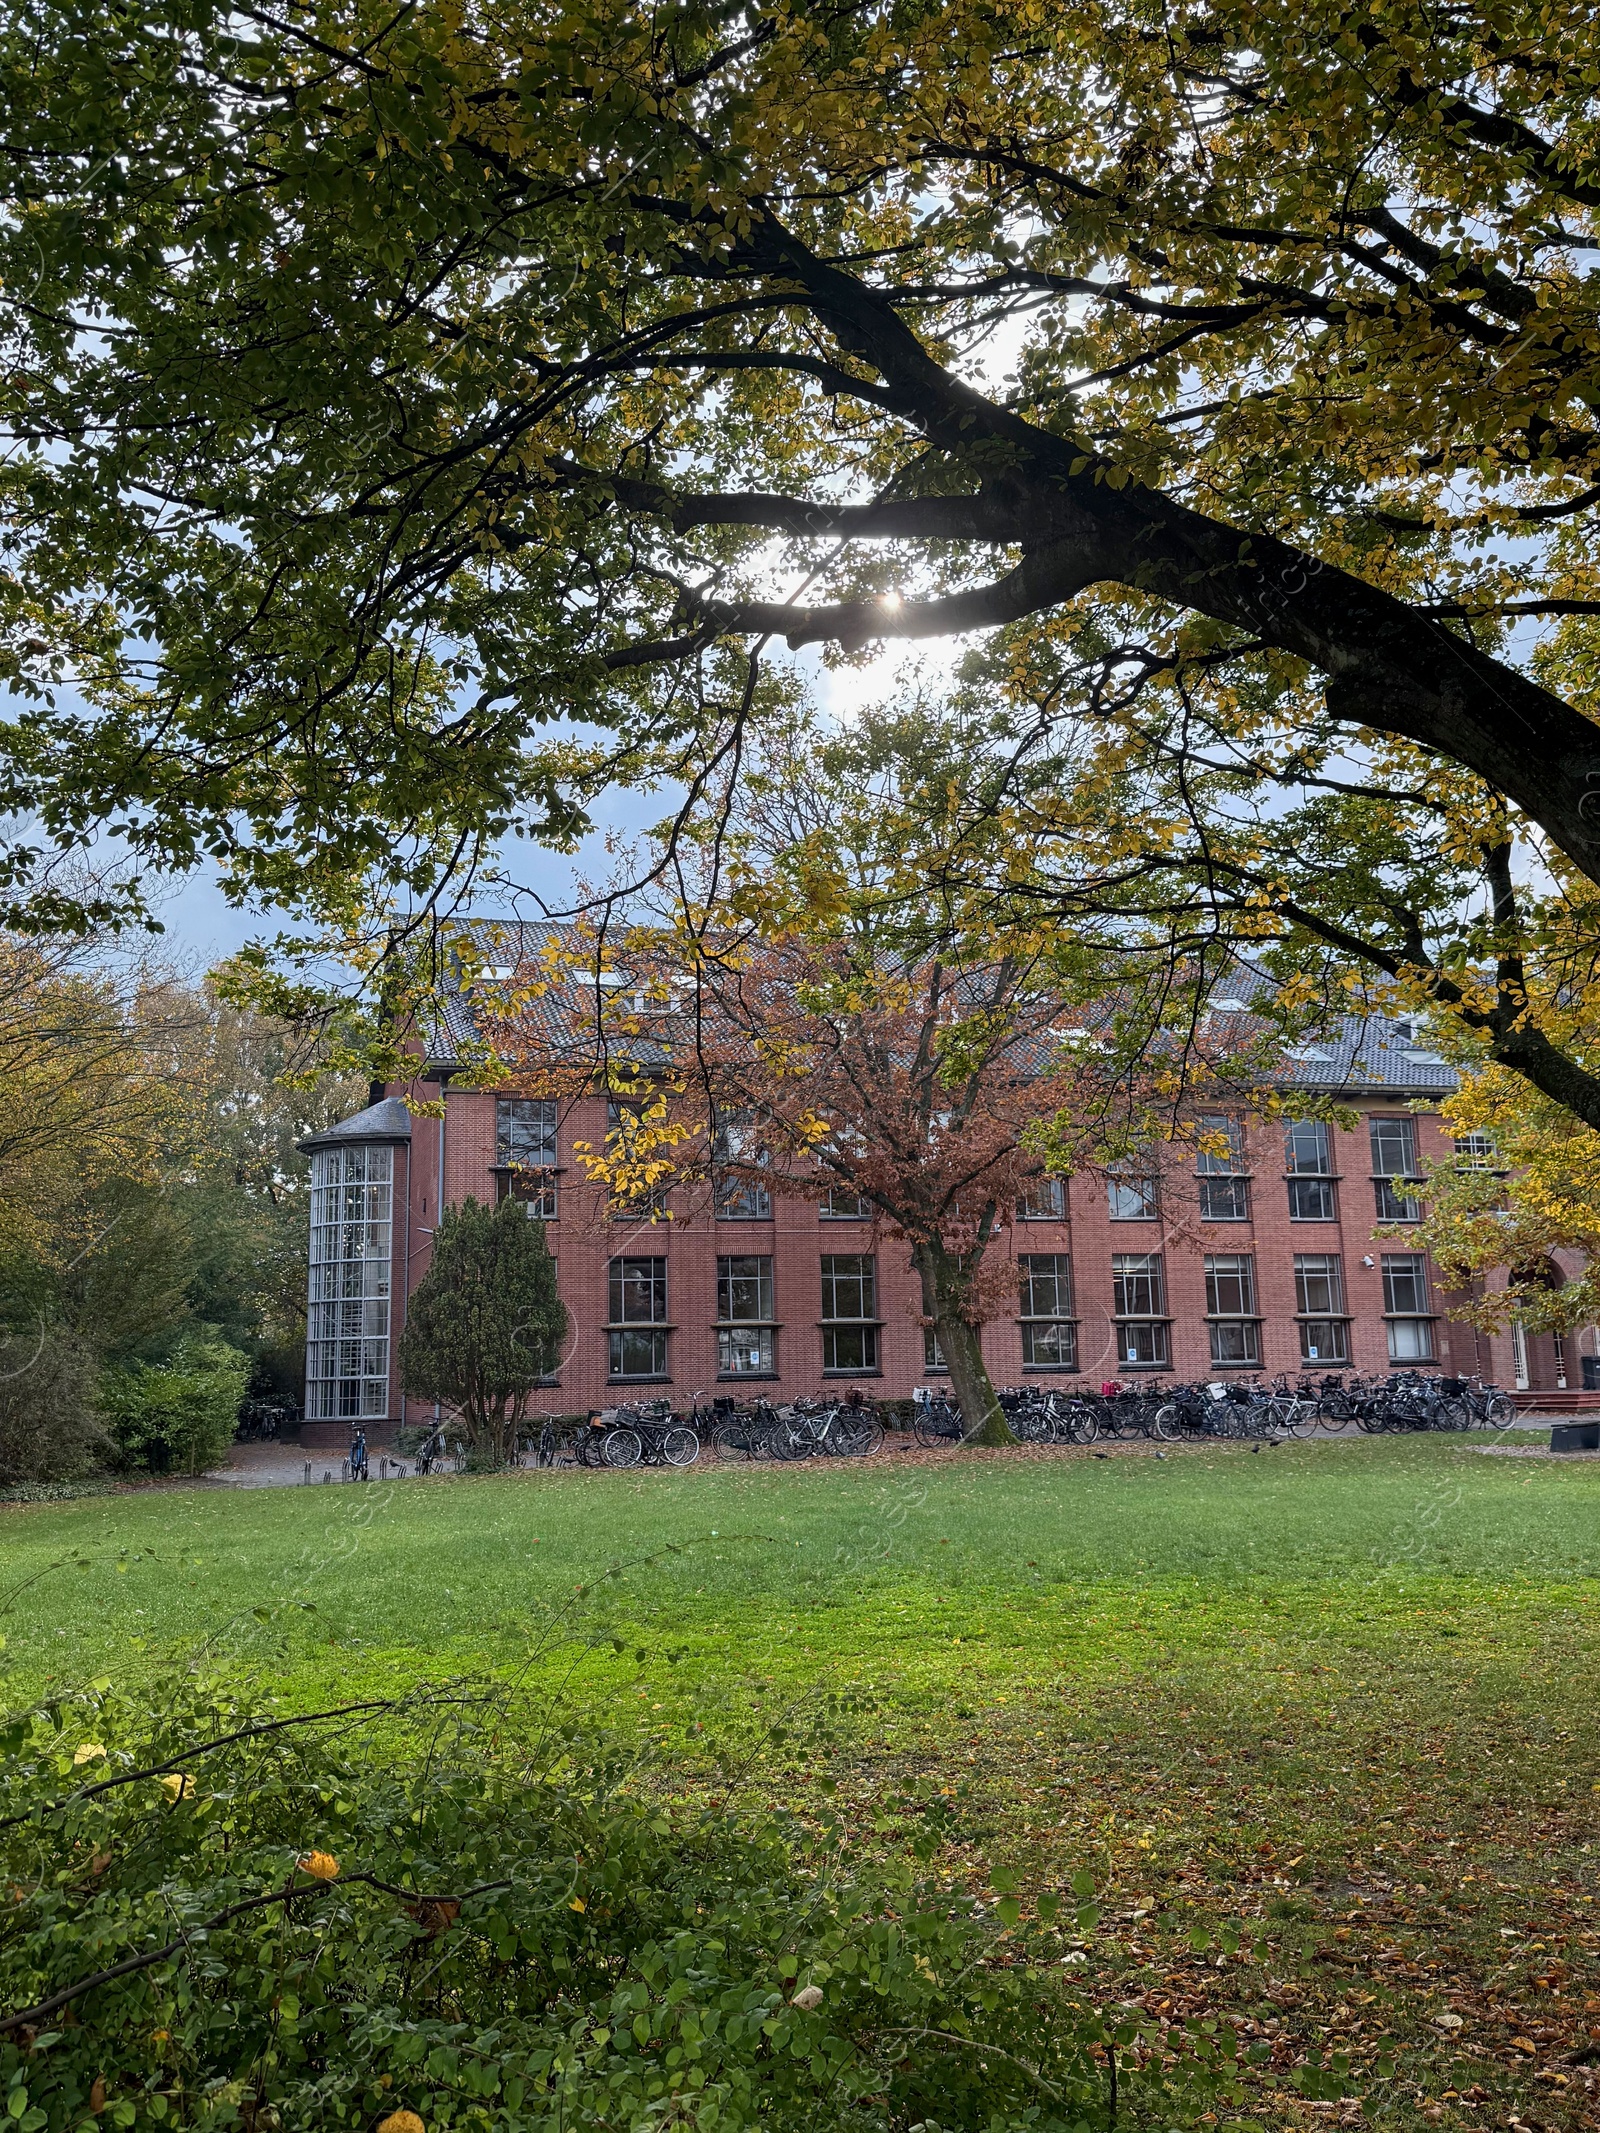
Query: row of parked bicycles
(1243, 1408)
(653, 1434)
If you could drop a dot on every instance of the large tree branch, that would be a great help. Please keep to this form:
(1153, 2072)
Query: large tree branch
(1387, 665)
(983, 516)
(1042, 579)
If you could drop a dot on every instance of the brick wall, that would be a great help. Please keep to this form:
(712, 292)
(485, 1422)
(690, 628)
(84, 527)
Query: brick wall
(796, 1236)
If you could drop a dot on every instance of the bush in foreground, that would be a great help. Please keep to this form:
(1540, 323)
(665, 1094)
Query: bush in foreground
(306, 1928)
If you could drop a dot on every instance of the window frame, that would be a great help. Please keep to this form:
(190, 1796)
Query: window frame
(1224, 1197)
(1152, 1267)
(1233, 1322)
(1331, 1271)
(740, 1198)
(1301, 1187)
(1309, 1173)
(827, 1212)
(1139, 1186)
(547, 1154)
(736, 1329)
(1475, 1150)
(1409, 1325)
(617, 1280)
(1418, 1331)
(1151, 1324)
(1159, 1335)
(1046, 1186)
(1043, 1330)
(765, 1313)
(350, 1282)
(1293, 1167)
(763, 1339)
(1394, 1206)
(1241, 1335)
(1337, 1332)
(860, 1329)
(1232, 1165)
(1238, 1267)
(1408, 1266)
(621, 1339)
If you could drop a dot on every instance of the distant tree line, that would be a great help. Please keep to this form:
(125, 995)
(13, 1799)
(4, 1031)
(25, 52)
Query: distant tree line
(152, 1211)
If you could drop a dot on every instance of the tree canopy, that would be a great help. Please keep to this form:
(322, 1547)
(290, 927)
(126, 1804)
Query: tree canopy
(484, 1324)
(393, 384)
(796, 1017)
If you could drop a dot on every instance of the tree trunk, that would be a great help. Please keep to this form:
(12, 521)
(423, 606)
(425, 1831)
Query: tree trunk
(943, 1294)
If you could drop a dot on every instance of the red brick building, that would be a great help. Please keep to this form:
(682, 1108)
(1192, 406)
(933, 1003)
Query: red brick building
(1262, 1259)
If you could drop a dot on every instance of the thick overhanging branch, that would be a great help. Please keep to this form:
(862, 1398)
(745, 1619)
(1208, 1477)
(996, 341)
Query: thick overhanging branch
(985, 515)
(1042, 579)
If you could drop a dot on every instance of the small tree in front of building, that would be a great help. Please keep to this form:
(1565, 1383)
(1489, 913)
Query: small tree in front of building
(484, 1324)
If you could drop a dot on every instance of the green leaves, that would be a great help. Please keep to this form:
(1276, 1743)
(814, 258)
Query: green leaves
(348, 362)
(704, 1964)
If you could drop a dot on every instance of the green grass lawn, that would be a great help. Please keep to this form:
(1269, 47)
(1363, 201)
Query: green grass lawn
(1339, 1697)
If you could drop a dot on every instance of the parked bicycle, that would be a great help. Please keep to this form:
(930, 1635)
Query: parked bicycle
(936, 1419)
(638, 1436)
(838, 1429)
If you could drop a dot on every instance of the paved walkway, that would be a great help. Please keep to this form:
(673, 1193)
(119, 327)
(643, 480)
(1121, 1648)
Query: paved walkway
(281, 1466)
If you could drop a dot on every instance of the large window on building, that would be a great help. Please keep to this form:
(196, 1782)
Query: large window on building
(1139, 1306)
(1319, 1306)
(1043, 1200)
(849, 1312)
(746, 1333)
(1406, 1307)
(1049, 1329)
(525, 1131)
(1231, 1320)
(1224, 1187)
(1308, 1159)
(1394, 1155)
(525, 1148)
(348, 1297)
(636, 1337)
(1475, 1151)
(1132, 1195)
(840, 1204)
(740, 1151)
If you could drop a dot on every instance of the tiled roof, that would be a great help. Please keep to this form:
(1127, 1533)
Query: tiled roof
(1369, 1053)
(512, 945)
(1352, 1056)
(385, 1121)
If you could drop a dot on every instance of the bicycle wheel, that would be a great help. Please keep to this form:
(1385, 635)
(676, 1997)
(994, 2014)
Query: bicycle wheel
(680, 1447)
(732, 1440)
(1168, 1423)
(1500, 1410)
(858, 1438)
(622, 1447)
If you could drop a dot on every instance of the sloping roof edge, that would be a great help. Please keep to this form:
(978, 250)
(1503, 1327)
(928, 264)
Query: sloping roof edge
(388, 1120)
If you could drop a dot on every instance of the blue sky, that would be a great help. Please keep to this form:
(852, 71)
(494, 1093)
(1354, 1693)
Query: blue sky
(202, 927)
